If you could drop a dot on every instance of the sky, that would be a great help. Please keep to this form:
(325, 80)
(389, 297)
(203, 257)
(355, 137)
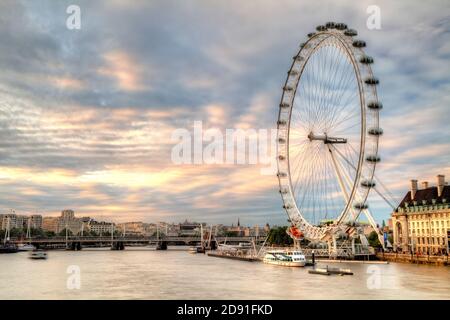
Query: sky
(86, 116)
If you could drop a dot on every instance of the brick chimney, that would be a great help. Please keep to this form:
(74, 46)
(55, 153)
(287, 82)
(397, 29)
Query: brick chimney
(425, 185)
(413, 189)
(440, 184)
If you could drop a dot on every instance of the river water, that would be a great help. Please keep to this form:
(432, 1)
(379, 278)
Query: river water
(139, 273)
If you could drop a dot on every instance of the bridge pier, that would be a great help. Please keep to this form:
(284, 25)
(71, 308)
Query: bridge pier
(75, 246)
(161, 245)
(119, 245)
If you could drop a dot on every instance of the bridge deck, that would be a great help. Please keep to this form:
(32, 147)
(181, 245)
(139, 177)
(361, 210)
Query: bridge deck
(129, 239)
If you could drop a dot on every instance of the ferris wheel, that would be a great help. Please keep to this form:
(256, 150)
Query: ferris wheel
(328, 132)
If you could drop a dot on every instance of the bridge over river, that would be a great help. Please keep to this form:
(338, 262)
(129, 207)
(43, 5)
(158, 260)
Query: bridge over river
(119, 242)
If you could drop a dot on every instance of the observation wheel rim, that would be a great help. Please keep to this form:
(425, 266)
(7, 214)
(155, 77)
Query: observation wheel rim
(351, 54)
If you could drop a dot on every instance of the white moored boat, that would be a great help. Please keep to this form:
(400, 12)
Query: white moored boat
(287, 258)
(230, 247)
(25, 247)
(38, 255)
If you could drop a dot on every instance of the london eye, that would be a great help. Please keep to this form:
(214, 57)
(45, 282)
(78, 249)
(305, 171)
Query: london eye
(328, 133)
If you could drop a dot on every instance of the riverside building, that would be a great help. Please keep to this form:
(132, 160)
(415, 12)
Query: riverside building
(421, 223)
(66, 220)
(20, 221)
(102, 227)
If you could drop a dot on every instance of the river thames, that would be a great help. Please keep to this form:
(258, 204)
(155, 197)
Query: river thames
(139, 273)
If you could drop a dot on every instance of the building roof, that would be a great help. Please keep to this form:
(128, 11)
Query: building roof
(428, 195)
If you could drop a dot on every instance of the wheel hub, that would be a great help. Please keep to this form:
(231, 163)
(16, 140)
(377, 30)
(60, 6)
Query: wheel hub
(326, 139)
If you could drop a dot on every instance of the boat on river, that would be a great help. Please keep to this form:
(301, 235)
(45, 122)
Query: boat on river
(322, 271)
(25, 247)
(197, 249)
(8, 248)
(38, 255)
(327, 271)
(287, 258)
(242, 246)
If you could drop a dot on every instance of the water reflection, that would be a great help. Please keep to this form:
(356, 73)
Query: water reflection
(173, 274)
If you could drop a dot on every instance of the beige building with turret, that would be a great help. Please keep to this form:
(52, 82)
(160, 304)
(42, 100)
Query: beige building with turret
(67, 220)
(421, 223)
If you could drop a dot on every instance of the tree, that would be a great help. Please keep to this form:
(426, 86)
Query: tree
(373, 240)
(37, 232)
(17, 232)
(279, 236)
(231, 233)
(63, 232)
(49, 234)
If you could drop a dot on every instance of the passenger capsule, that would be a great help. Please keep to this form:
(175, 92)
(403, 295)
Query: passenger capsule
(293, 72)
(281, 140)
(287, 206)
(330, 25)
(375, 131)
(281, 157)
(341, 26)
(372, 81)
(288, 88)
(321, 28)
(281, 122)
(350, 32)
(359, 44)
(368, 183)
(375, 105)
(366, 60)
(281, 174)
(311, 34)
(284, 105)
(361, 206)
(298, 58)
(302, 45)
(284, 191)
(373, 159)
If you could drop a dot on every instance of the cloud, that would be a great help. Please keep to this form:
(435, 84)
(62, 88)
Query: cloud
(120, 66)
(216, 115)
(86, 117)
(67, 83)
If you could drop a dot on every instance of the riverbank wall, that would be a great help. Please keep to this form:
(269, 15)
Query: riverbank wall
(411, 258)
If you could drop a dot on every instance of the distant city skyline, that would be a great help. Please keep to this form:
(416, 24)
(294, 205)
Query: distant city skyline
(86, 115)
(123, 220)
